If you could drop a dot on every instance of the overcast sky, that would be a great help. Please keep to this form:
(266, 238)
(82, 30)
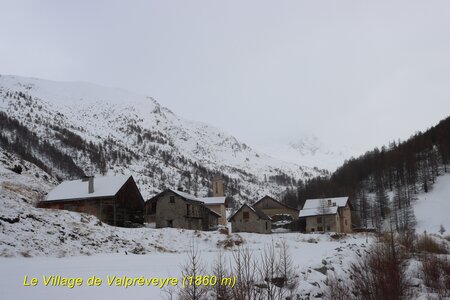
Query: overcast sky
(354, 73)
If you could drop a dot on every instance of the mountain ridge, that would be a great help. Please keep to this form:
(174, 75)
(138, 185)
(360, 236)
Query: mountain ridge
(109, 130)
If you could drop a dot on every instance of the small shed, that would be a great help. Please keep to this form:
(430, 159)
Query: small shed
(115, 200)
(250, 219)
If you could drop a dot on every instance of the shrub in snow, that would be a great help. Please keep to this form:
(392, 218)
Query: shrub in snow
(426, 243)
(435, 272)
(379, 274)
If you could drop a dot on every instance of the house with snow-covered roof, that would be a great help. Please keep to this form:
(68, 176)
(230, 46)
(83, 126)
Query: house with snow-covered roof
(327, 214)
(115, 200)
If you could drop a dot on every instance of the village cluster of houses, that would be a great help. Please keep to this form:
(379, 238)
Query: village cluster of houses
(116, 200)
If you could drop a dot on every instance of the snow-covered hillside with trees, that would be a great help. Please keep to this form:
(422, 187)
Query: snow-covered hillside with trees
(432, 210)
(69, 129)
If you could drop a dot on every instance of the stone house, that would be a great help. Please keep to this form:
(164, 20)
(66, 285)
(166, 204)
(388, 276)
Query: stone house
(250, 219)
(178, 209)
(115, 200)
(274, 208)
(327, 214)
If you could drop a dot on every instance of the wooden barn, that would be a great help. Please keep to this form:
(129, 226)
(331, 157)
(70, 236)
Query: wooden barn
(115, 200)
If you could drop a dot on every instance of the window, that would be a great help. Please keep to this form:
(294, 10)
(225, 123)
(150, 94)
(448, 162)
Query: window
(319, 220)
(71, 207)
(329, 202)
(312, 229)
(153, 208)
(328, 228)
(246, 215)
(169, 223)
(188, 209)
(267, 226)
(172, 199)
(320, 228)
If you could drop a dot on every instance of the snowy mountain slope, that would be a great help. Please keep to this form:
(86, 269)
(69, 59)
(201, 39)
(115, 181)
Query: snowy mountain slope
(108, 130)
(432, 209)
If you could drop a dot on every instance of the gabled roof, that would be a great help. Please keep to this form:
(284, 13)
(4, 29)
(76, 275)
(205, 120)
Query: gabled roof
(189, 197)
(316, 203)
(106, 186)
(314, 207)
(213, 212)
(185, 195)
(255, 210)
(318, 212)
(206, 200)
(275, 200)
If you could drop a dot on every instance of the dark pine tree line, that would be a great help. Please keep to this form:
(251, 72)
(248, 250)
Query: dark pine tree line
(402, 169)
(17, 139)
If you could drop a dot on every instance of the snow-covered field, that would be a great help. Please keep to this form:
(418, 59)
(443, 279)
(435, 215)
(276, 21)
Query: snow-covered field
(309, 252)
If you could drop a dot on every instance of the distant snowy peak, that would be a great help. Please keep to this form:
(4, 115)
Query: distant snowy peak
(307, 150)
(313, 152)
(309, 145)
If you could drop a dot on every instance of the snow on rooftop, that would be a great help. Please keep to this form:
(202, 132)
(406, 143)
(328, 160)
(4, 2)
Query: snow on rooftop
(206, 200)
(318, 211)
(316, 203)
(78, 189)
(186, 195)
(213, 200)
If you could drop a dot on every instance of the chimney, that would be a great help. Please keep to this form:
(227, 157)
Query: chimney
(91, 184)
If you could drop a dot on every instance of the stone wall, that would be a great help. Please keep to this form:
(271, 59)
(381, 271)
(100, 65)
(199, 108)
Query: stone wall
(252, 224)
(329, 223)
(174, 211)
(346, 220)
(221, 210)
